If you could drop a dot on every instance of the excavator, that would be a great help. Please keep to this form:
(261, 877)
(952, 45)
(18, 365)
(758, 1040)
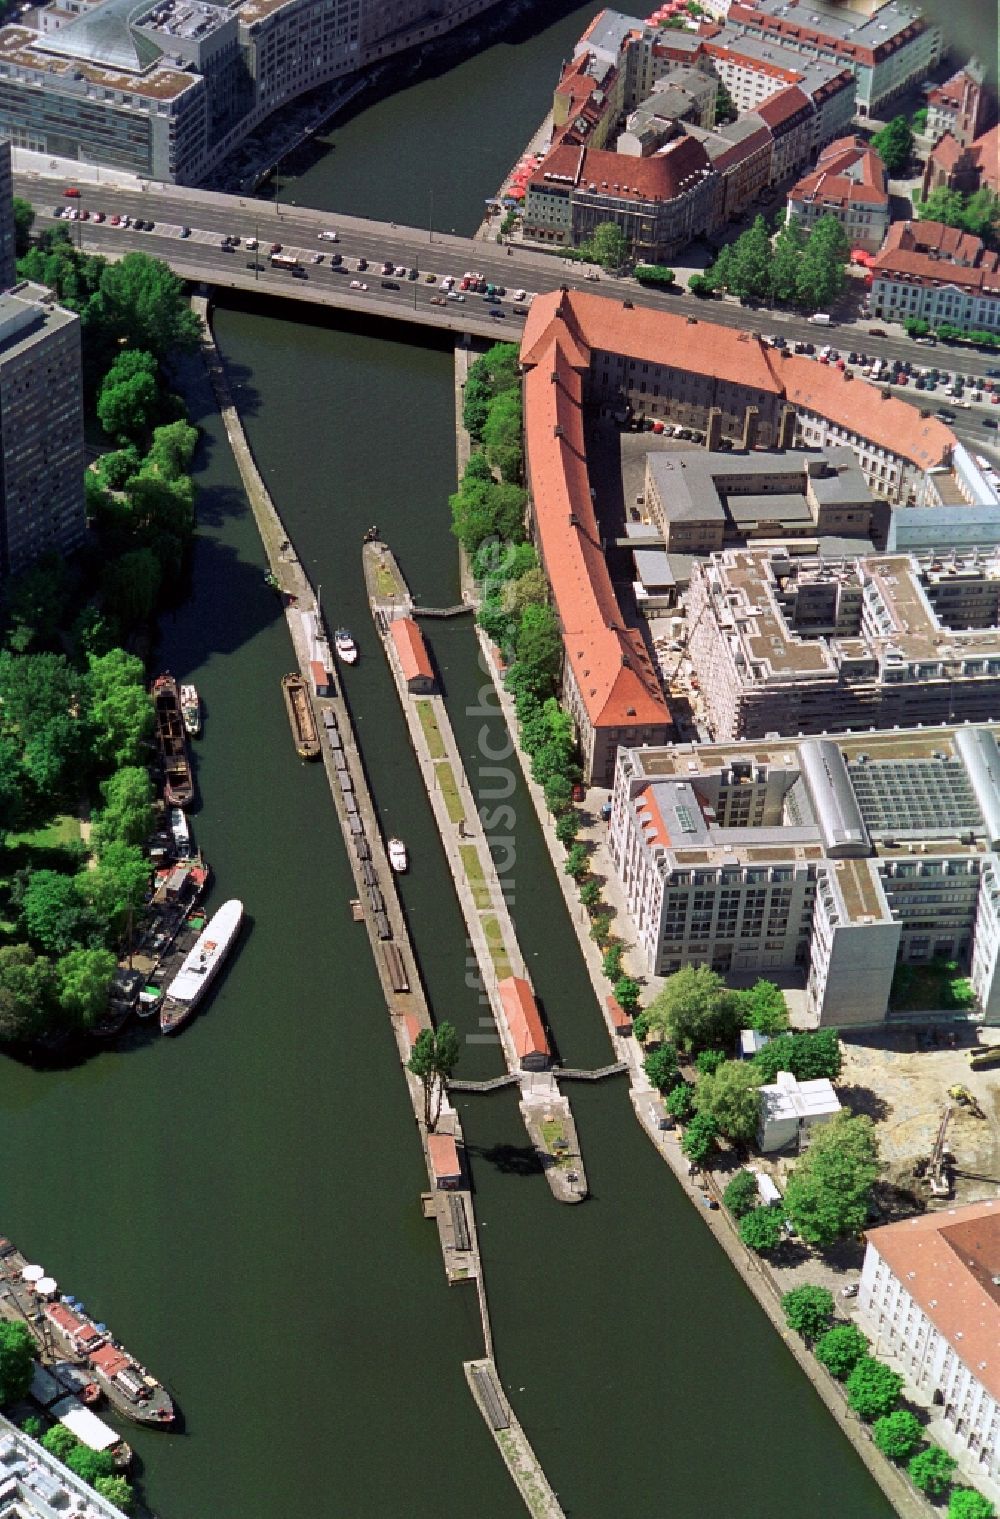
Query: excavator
(935, 1170)
(965, 1099)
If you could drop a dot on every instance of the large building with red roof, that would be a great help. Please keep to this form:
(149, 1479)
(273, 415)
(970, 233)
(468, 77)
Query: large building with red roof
(961, 105)
(968, 169)
(848, 182)
(930, 1297)
(936, 273)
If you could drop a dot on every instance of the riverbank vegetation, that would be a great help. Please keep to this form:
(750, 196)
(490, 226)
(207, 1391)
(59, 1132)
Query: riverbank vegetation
(76, 719)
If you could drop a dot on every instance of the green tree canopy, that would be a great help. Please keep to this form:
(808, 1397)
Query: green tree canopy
(145, 305)
(931, 1470)
(539, 642)
(24, 220)
(660, 1066)
(433, 1060)
(171, 452)
(808, 1056)
(609, 247)
(568, 825)
(26, 990)
(829, 1190)
(130, 586)
(694, 1009)
(17, 1355)
(679, 1103)
(83, 984)
(966, 1503)
(502, 435)
(700, 1138)
(59, 1441)
(576, 864)
(873, 1389)
(731, 1095)
(763, 1008)
(741, 1195)
(894, 144)
(840, 1349)
(36, 603)
(627, 991)
(90, 1464)
(121, 709)
(54, 913)
(808, 1310)
(129, 396)
(898, 1435)
(117, 1490)
(116, 885)
(761, 1228)
(127, 814)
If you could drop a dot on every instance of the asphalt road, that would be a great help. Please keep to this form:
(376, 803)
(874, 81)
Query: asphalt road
(211, 215)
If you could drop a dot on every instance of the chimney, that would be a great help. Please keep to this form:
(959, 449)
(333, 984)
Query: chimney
(713, 431)
(750, 421)
(557, 431)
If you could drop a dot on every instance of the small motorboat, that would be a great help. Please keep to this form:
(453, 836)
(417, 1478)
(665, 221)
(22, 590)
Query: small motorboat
(398, 858)
(347, 649)
(191, 710)
(180, 832)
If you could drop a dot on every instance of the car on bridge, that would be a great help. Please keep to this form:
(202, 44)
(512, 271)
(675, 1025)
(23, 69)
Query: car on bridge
(362, 265)
(389, 285)
(329, 236)
(182, 232)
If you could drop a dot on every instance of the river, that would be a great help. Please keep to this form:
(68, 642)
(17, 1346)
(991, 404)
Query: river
(241, 1203)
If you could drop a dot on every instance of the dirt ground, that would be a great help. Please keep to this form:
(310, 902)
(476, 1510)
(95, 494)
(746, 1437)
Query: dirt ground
(904, 1089)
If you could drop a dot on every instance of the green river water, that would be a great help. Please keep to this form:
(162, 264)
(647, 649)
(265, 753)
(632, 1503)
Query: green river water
(242, 1203)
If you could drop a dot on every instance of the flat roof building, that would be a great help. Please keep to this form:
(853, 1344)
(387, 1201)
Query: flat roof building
(35, 1485)
(930, 1297)
(840, 857)
(791, 1109)
(41, 428)
(8, 235)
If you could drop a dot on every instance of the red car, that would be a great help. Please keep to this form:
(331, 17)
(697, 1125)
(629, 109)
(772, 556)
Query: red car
(72, 192)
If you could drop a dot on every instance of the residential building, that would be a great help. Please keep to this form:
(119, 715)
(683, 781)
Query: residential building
(967, 169)
(524, 1023)
(848, 182)
(930, 1297)
(837, 857)
(783, 645)
(702, 501)
(791, 1109)
(887, 51)
(412, 653)
(754, 70)
(587, 101)
(962, 106)
(8, 235)
(684, 93)
(660, 203)
(42, 456)
(740, 152)
(936, 273)
(790, 117)
(35, 1485)
(165, 89)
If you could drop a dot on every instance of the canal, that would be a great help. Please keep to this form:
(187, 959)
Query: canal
(241, 1204)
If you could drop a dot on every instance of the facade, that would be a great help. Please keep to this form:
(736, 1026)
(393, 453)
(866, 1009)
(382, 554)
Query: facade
(929, 1297)
(740, 152)
(34, 1485)
(41, 429)
(790, 117)
(848, 182)
(886, 51)
(753, 70)
(788, 645)
(791, 1109)
(700, 501)
(939, 274)
(960, 106)
(841, 857)
(8, 238)
(164, 90)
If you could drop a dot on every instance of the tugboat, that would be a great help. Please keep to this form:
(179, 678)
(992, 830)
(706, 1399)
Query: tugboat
(200, 967)
(301, 716)
(347, 649)
(178, 784)
(191, 710)
(398, 858)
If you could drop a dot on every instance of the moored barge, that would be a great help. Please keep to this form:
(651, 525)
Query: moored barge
(301, 716)
(178, 783)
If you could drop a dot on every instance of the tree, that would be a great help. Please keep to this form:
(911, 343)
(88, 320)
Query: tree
(942, 205)
(568, 825)
(116, 468)
(931, 1470)
(36, 602)
(116, 885)
(980, 214)
(894, 144)
(694, 1009)
(59, 1441)
(611, 965)
(829, 1191)
(808, 1310)
(90, 1464)
(539, 642)
(145, 305)
(129, 395)
(761, 1229)
(433, 1059)
(966, 1503)
(128, 811)
(807, 1056)
(764, 1008)
(660, 1066)
(918, 121)
(609, 247)
(54, 913)
(873, 1389)
(83, 984)
(24, 220)
(725, 108)
(590, 894)
(627, 993)
(17, 1359)
(35, 689)
(502, 435)
(600, 928)
(840, 1350)
(750, 278)
(822, 267)
(558, 794)
(25, 992)
(707, 1062)
(898, 1435)
(701, 286)
(576, 863)
(700, 1138)
(786, 261)
(680, 1102)
(121, 710)
(117, 1490)
(14, 787)
(171, 452)
(741, 1195)
(730, 1094)
(130, 586)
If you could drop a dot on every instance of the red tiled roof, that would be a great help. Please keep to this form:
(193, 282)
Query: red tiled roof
(413, 1027)
(109, 1359)
(928, 253)
(747, 60)
(831, 180)
(947, 151)
(662, 177)
(621, 1022)
(932, 237)
(783, 106)
(411, 649)
(443, 1153)
(862, 409)
(948, 1263)
(985, 152)
(523, 1018)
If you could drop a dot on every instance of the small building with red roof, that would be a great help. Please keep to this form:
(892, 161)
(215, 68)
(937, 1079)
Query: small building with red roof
(936, 273)
(413, 656)
(446, 1167)
(848, 182)
(524, 1023)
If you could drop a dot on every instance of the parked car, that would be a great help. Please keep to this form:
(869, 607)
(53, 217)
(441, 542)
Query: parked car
(184, 231)
(275, 247)
(876, 332)
(251, 241)
(362, 265)
(317, 258)
(851, 1290)
(990, 422)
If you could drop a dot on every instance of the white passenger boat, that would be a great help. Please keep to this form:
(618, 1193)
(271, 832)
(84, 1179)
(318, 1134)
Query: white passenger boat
(398, 858)
(347, 649)
(180, 831)
(191, 710)
(200, 966)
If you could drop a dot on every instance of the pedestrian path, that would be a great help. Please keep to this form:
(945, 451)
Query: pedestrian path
(545, 1111)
